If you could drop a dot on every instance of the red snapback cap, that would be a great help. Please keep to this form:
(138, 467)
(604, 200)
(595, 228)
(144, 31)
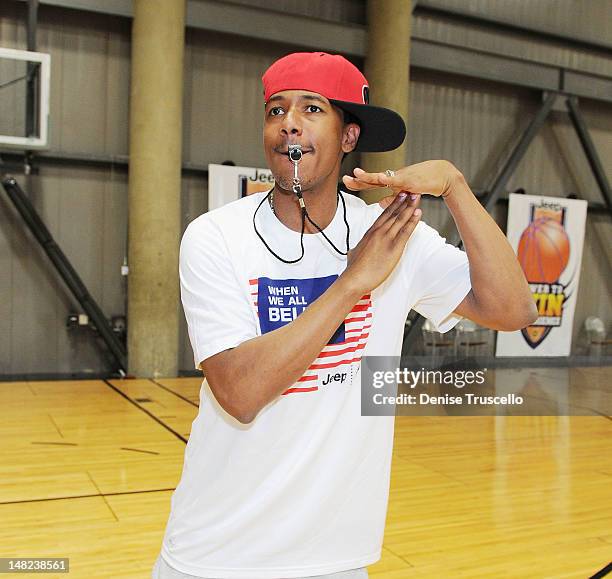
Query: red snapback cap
(343, 84)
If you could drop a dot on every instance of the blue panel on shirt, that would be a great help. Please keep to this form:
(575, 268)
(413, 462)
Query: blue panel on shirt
(280, 301)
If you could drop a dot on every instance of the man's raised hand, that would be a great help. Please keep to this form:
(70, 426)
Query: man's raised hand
(433, 177)
(372, 260)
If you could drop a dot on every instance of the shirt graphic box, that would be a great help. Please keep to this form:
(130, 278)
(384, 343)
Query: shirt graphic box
(280, 301)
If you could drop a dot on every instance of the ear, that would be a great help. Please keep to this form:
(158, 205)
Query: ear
(350, 134)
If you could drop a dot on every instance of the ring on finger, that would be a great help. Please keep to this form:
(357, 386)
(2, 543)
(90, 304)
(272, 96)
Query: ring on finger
(389, 173)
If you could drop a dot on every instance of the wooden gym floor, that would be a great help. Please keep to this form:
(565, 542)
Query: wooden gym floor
(88, 469)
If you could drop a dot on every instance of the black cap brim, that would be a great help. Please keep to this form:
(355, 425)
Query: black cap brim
(381, 129)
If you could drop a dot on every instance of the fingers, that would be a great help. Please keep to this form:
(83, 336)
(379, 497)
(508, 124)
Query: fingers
(405, 231)
(386, 201)
(405, 220)
(397, 211)
(395, 203)
(356, 184)
(363, 180)
(400, 214)
(372, 179)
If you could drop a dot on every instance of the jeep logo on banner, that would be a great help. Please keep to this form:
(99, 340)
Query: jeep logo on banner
(547, 234)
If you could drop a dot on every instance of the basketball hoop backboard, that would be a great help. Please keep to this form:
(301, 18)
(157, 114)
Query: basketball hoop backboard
(18, 70)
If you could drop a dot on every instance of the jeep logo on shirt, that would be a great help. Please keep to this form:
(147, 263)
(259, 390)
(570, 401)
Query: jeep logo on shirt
(334, 378)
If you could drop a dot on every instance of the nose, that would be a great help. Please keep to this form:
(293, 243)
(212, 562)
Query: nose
(292, 124)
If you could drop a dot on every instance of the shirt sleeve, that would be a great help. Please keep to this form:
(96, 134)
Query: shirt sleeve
(440, 278)
(217, 309)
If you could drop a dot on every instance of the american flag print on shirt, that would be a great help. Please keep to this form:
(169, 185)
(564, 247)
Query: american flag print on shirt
(279, 301)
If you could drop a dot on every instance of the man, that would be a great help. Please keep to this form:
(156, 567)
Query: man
(283, 477)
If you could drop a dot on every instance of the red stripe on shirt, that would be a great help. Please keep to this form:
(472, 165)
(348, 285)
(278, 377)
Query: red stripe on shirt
(348, 320)
(334, 364)
(339, 352)
(291, 390)
(358, 329)
(348, 340)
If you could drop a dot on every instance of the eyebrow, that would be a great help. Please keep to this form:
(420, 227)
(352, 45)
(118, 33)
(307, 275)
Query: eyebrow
(306, 97)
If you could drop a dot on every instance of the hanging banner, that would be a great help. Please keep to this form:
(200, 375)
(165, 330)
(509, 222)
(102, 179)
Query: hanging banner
(227, 183)
(547, 234)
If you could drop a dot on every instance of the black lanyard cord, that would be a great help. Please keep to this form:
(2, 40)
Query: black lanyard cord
(348, 231)
(264, 241)
(304, 217)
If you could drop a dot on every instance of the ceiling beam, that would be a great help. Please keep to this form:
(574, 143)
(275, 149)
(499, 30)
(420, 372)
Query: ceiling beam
(316, 34)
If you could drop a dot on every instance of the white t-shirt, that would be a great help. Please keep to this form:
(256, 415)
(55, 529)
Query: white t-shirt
(303, 489)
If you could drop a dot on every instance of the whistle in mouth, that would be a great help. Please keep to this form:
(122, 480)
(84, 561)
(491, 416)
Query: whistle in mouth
(295, 153)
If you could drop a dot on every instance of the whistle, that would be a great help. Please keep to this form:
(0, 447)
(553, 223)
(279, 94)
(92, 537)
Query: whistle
(295, 153)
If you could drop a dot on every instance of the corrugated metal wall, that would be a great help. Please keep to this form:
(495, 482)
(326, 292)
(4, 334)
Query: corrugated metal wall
(469, 122)
(574, 18)
(517, 44)
(353, 11)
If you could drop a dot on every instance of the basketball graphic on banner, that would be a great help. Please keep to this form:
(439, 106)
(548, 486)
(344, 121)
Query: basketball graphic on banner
(543, 250)
(547, 234)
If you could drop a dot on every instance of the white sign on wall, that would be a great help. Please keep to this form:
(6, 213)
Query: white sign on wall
(227, 183)
(547, 234)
